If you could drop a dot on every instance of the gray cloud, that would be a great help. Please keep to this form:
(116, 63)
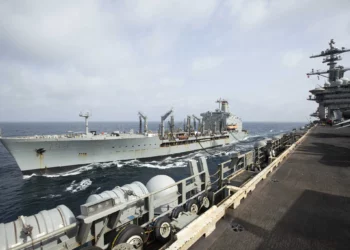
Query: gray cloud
(118, 57)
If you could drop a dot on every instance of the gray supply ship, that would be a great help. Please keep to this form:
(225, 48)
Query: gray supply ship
(52, 152)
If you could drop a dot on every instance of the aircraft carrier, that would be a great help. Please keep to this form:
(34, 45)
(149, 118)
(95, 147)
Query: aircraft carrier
(305, 203)
(47, 153)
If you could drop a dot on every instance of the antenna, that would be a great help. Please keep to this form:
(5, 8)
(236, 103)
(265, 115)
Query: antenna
(331, 56)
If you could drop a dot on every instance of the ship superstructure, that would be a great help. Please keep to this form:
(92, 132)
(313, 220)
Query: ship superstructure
(333, 97)
(48, 152)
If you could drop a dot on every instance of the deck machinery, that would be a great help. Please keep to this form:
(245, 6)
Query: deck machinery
(138, 216)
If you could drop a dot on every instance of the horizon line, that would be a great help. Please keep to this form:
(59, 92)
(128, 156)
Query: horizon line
(128, 121)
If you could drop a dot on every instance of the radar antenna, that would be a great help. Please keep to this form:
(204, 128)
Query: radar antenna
(331, 56)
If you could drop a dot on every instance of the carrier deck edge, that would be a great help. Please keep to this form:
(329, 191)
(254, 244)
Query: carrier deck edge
(305, 204)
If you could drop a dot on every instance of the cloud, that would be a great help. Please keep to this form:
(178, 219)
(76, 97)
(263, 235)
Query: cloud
(252, 14)
(173, 83)
(59, 57)
(174, 12)
(292, 58)
(206, 63)
(249, 13)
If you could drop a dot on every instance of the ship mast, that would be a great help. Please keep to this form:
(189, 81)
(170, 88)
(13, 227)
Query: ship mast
(86, 115)
(331, 107)
(331, 57)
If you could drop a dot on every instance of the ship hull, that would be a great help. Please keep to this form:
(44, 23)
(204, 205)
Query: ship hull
(60, 154)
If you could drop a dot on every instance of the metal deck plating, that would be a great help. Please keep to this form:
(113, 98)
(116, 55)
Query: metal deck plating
(305, 204)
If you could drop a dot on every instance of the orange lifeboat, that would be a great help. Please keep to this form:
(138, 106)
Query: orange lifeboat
(182, 136)
(232, 127)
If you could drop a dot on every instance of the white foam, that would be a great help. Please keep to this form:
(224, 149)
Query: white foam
(110, 164)
(251, 136)
(168, 159)
(51, 175)
(131, 161)
(76, 187)
(26, 177)
(86, 168)
(178, 164)
(50, 196)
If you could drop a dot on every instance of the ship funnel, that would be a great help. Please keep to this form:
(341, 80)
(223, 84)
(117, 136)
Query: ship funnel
(223, 105)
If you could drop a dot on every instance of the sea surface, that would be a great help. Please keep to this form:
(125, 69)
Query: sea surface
(29, 194)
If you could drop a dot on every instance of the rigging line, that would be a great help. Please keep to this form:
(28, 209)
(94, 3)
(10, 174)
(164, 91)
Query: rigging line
(216, 151)
(235, 137)
(203, 147)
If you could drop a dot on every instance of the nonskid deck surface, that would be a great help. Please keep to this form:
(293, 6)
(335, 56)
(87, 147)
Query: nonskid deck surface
(305, 204)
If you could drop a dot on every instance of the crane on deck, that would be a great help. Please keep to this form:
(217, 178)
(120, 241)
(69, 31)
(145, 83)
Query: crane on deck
(163, 118)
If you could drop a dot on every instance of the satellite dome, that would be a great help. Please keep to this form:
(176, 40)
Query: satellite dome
(345, 80)
(338, 82)
(167, 197)
(161, 181)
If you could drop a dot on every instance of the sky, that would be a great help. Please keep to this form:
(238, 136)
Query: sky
(115, 58)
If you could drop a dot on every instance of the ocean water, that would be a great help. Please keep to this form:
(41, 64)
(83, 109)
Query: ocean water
(29, 194)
